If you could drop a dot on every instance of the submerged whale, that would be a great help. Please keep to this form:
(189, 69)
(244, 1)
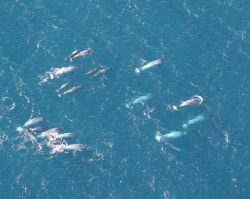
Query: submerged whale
(63, 86)
(149, 65)
(194, 120)
(139, 99)
(33, 121)
(50, 132)
(56, 73)
(56, 136)
(171, 135)
(98, 71)
(92, 71)
(78, 53)
(73, 89)
(59, 148)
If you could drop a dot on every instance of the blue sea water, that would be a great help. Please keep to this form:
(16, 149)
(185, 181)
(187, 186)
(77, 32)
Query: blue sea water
(206, 47)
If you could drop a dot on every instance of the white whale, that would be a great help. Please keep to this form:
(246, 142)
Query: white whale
(149, 65)
(194, 120)
(33, 121)
(171, 135)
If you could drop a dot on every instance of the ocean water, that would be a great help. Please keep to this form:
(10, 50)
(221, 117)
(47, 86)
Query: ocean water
(206, 47)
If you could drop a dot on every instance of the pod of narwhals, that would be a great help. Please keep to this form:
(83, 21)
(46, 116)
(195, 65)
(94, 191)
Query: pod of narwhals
(53, 137)
(56, 73)
(195, 100)
(56, 140)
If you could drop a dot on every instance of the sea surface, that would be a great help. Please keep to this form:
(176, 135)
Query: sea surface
(206, 50)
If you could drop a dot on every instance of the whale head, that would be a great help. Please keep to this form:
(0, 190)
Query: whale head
(20, 129)
(158, 136)
(184, 126)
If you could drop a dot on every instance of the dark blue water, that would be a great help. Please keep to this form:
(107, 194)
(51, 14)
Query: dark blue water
(206, 46)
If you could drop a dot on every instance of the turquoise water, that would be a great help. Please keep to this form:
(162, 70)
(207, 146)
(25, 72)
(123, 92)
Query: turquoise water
(206, 46)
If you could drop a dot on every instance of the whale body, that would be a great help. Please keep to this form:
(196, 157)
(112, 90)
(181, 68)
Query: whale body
(33, 121)
(171, 135)
(149, 65)
(195, 120)
(140, 99)
(73, 89)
